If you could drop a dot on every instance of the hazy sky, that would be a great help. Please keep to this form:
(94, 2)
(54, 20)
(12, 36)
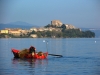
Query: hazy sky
(80, 13)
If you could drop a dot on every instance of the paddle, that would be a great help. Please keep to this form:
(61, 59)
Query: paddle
(47, 49)
(55, 55)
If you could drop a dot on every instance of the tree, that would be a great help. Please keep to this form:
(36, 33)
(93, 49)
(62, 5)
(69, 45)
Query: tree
(47, 26)
(63, 26)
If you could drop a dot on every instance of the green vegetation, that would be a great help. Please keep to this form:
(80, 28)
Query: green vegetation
(70, 33)
(76, 33)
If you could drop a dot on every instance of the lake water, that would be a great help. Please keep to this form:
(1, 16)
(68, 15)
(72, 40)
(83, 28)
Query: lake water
(81, 56)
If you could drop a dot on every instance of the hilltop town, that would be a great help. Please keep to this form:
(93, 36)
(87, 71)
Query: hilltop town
(55, 30)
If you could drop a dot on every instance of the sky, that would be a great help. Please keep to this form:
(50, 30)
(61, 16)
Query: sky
(80, 13)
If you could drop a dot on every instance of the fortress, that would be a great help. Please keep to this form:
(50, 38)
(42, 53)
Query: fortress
(58, 23)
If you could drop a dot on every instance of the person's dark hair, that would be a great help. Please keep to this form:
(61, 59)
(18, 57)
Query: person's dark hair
(32, 49)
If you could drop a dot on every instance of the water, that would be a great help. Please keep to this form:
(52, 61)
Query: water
(80, 57)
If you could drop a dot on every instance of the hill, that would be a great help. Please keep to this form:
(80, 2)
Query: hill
(95, 30)
(18, 24)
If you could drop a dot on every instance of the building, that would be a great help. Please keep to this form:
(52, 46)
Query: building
(4, 31)
(68, 26)
(35, 29)
(33, 35)
(57, 23)
(40, 29)
(16, 32)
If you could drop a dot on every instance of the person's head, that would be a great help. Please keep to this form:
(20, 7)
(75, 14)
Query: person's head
(32, 49)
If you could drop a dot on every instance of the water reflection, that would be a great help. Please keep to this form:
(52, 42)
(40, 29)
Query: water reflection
(30, 61)
(31, 66)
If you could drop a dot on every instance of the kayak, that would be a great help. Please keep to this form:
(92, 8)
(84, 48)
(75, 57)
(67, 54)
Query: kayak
(35, 56)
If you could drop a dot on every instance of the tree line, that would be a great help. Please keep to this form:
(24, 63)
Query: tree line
(65, 33)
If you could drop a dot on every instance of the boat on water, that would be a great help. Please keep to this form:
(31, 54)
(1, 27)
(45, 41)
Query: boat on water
(17, 54)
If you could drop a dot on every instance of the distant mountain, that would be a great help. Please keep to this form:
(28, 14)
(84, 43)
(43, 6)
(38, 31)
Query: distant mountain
(17, 24)
(20, 23)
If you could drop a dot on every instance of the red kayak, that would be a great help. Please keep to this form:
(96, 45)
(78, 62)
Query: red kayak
(35, 56)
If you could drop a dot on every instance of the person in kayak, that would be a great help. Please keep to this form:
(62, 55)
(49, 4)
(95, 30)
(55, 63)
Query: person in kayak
(32, 50)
